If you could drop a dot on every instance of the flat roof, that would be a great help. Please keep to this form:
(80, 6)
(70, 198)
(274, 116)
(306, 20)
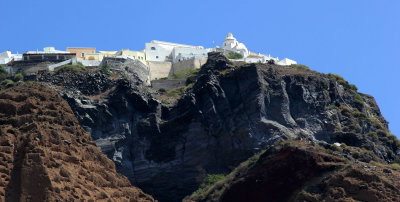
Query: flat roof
(45, 52)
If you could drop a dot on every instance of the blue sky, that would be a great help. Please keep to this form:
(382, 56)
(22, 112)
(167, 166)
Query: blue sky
(358, 39)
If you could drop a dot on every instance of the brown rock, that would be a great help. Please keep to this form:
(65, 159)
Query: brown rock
(299, 171)
(40, 159)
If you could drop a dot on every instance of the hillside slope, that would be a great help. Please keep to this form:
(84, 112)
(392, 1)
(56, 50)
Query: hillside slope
(46, 156)
(301, 171)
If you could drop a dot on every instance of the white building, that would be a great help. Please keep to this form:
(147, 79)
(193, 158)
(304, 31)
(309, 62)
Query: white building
(286, 62)
(7, 56)
(259, 58)
(160, 51)
(185, 53)
(17, 57)
(231, 44)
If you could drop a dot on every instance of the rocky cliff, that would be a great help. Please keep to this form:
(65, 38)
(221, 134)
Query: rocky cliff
(228, 112)
(46, 156)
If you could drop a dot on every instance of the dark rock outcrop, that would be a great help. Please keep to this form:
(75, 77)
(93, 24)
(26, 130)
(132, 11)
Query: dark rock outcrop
(46, 156)
(230, 113)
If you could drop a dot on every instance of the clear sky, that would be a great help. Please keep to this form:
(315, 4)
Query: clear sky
(358, 39)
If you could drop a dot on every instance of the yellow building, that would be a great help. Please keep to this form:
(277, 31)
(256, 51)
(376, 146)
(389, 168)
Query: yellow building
(81, 52)
(100, 56)
(138, 55)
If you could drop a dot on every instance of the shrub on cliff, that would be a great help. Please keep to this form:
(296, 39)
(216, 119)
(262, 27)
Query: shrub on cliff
(7, 83)
(75, 68)
(233, 55)
(106, 68)
(300, 67)
(343, 82)
(18, 77)
(184, 73)
(210, 180)
(3, 73)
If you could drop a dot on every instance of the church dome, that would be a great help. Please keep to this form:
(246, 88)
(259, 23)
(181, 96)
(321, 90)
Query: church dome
(241, 46)
(229, 36)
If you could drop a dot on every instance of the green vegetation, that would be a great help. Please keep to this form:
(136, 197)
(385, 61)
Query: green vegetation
(359, 101)
(208, 182)
(165, 102)
(373, 136)
(345, 111)
(356, 119)
(330, 107)
(393, 141)
(224, 72)
(178, 92)
(18, 77)
(7, 81)
(343, 82)
(75, 68)
(217, 183)
(106, 68)
(394, 166)
(184, 73)
(232, 55)
(300, 67)
(3, 73)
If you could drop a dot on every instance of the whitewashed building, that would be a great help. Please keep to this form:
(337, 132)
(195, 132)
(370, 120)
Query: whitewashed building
(7, 56)
(231, 44)
(160, 51)
(286, 62)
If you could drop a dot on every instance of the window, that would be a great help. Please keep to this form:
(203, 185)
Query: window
(133, 57)
(153, 48)
(83, 54)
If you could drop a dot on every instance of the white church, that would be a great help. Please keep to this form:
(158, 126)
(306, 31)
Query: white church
(231, 44)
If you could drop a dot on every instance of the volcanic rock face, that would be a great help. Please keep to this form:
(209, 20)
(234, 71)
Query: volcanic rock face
(46, 156)
(230, 113)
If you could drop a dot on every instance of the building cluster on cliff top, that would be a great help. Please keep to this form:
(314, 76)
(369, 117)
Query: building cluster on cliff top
(161, 58)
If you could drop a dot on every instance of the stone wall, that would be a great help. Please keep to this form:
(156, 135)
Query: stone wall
(159, 69)
(30, 68)
(188, 64)
(167, 84)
